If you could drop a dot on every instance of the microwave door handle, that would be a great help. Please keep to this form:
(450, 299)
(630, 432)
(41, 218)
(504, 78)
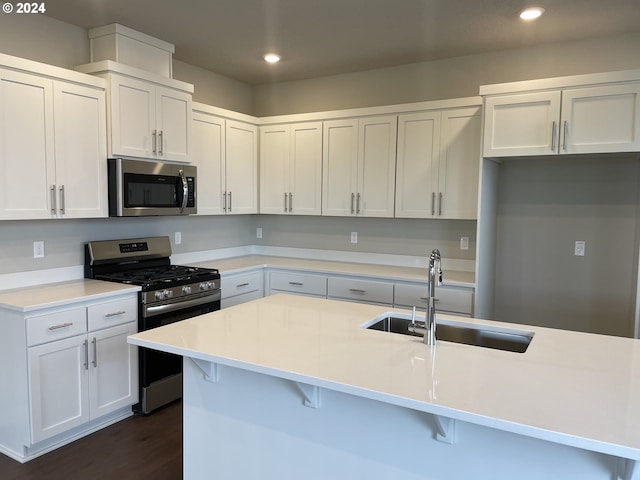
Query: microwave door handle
(185, 190)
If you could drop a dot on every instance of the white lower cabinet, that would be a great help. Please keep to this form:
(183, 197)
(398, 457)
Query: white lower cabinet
(298, 283)
(360, 290)
(79, 366)
(449, 299)
(241, 288)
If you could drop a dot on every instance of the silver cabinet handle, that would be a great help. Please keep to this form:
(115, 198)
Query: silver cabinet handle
(62, 325)
(433, 203)
(154, 143)
(353, 196)
(290, 201)
(440, 204)
(426, 299)
(240, 285)
(357, 204)
(115, 314)
(566, 134)
(161, 143)
(297, 284)
(52, 192)
(85, 344)
(62, 200)
(224, 202)
(95, 352)
(553, 136)
(285, 202)
(358, 290)
(230, 203)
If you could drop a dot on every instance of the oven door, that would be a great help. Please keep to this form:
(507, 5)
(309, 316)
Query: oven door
(139, 188)
(161, 373)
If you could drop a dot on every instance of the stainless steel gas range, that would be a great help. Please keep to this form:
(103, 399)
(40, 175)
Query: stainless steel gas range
(170, 293)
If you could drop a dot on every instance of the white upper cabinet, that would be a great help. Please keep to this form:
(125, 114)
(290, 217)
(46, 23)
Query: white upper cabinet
(52, 148)
(148, 120)
(591, 119)
(438, 164)
(291, 169)
(359, 157)
(81, 151)
(241, 168)
(601, 119)
(225, 153)
(208, 155)
(522, 124)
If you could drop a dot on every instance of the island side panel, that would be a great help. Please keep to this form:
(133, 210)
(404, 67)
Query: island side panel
(250, 425)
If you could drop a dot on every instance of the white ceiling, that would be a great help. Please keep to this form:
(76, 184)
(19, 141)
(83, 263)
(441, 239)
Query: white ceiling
(325, 37)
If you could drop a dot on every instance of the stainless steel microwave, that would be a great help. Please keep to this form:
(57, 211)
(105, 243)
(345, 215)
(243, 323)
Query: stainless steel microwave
(142, 187)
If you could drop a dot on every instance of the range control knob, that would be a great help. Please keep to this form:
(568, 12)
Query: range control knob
(207, 285)
(168, 293)
(159, 295)
(186, 289)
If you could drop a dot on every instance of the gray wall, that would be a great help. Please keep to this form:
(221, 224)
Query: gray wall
(544, 206)
(449, 78)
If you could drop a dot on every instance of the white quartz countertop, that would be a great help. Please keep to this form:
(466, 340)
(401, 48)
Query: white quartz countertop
(571, 388)
(248, 262)
(55, 294)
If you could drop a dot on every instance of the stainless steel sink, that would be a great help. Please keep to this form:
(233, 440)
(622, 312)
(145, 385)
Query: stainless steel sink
(481, 336)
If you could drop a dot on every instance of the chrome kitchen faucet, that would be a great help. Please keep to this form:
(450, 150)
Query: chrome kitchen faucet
(435, 261)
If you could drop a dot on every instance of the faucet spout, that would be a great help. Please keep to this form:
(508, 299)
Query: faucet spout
(435, 275)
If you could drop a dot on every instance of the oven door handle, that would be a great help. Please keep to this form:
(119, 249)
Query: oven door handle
(150, 311)
(185, 190)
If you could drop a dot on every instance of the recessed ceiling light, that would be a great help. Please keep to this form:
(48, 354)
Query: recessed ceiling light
(271, 58)
(531, 13)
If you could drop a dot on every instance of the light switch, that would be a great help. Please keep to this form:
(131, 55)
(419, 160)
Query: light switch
(579, 248)
(354, 237)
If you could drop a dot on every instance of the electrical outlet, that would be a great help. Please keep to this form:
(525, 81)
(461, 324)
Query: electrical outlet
(578, 249)
(178, 238)
(354, 237)
(259, 232)
(464, 243)
(38, 249)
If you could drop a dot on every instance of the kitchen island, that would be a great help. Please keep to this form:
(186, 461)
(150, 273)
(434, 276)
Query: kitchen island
(295, 387)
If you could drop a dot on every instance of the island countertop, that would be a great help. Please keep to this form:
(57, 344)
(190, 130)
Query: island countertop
(571, 388)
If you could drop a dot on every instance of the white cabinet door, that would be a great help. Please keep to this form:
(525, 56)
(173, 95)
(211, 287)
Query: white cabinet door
(359, 167)
(274, 168)
(27, 168)
(459, 165)
(376, 166)
(522, 124)
(80, 151)
(305, 169)
(58, 386)
(601, 119)
(173, 124)
(418, 157)
(113, 380)
(208, 155)
(133, 118)
(339, 167)
(241, 168)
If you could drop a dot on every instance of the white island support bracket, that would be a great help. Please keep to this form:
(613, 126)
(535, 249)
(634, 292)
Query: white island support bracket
(628, 469)
(210, 370)
(311, 394)
(446, 429)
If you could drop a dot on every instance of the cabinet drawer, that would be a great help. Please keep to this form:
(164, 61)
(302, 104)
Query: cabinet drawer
(56, 326)
(115, 312)
(449, 299)
(360, 290)
(301, 283)
(241, 284)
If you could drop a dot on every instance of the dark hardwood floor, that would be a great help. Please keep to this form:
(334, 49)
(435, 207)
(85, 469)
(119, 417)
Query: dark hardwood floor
(138, 448)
